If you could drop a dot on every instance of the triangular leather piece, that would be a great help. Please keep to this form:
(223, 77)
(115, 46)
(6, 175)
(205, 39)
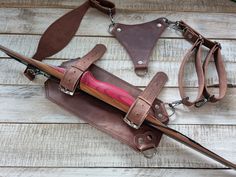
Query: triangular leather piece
(139, 41)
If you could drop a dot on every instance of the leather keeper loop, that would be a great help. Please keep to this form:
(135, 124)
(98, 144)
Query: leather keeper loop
(142, 105)
(70, 80)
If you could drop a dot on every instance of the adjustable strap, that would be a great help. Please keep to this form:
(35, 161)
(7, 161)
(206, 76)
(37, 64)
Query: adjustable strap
(197, 50)
(60, 33)
(70, 80)
(142, 105)
(215, 52)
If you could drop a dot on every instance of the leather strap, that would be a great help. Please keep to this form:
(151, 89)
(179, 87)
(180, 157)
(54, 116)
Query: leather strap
(198, 41)
(60, 33)
(141, 107)
(219, 64)
(197, 50)
(70, 80)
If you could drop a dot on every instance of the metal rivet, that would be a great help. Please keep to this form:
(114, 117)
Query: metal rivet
(157, 106)
(118, 29)
(159, 25)
(160, 115)
(140, 140)
(190, 36)
(140, 62)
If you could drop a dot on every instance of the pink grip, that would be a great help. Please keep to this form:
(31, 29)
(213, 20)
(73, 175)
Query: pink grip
(107, 89)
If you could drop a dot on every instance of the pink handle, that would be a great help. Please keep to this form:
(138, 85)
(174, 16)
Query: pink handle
(107, 89)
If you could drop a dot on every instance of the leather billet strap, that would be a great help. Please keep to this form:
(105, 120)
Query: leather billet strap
(70, 80)
(214, 52)
(142, 105)
(60, 33)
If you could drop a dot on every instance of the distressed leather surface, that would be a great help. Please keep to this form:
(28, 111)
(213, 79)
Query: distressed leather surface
(105, 117)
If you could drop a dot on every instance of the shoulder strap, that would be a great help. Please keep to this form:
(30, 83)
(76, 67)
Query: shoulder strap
(214, 52)
(60, 33)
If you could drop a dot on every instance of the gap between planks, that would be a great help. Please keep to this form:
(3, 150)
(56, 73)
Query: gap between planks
(113, 172)
(153, 5)
(26, 98)
(35, 21)
(72, 145)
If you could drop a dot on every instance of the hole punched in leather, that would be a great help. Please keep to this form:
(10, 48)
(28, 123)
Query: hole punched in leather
(141, 107)
(72, 75)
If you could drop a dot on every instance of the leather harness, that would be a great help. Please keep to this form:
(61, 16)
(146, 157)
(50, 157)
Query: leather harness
(139, 41)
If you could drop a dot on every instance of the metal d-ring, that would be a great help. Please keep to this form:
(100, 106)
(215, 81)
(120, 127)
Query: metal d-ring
(111, 26)
(173, 24)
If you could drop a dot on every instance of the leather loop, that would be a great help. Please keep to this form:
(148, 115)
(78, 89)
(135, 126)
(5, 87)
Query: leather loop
(197, 50)
(142, 105)
(104, 6)
(214, 52)
(71, 78)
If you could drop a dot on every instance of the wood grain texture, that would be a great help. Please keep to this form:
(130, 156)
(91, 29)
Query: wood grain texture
(37, 133)
(116, 59)
(12, 73)
(35, 21)
(31, 106)
(152, 5)
(114, 172)
(166, 50)
(76, 145)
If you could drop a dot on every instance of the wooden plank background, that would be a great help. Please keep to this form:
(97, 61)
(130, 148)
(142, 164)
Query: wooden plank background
(40, 139)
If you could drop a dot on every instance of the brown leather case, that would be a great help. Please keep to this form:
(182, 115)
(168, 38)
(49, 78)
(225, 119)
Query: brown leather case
(105, 117)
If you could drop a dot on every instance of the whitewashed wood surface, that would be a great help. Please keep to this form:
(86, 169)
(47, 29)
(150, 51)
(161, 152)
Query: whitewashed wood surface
(40, 139)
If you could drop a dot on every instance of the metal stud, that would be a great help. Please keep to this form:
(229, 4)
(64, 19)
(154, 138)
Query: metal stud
(159, 25)
(190, 36)
(118, 29)
(160, 115)
(140, 62)
(157, 106)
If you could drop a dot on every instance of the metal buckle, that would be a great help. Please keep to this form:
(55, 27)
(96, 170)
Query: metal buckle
(66, 91)
(131, 124)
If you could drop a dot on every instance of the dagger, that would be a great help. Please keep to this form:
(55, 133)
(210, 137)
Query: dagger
(116, 97)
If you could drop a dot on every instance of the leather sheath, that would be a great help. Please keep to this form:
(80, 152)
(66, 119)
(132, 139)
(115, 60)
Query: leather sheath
(105, 117)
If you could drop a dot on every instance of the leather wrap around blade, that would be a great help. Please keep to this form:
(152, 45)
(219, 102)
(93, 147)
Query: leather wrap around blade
(105, 117)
